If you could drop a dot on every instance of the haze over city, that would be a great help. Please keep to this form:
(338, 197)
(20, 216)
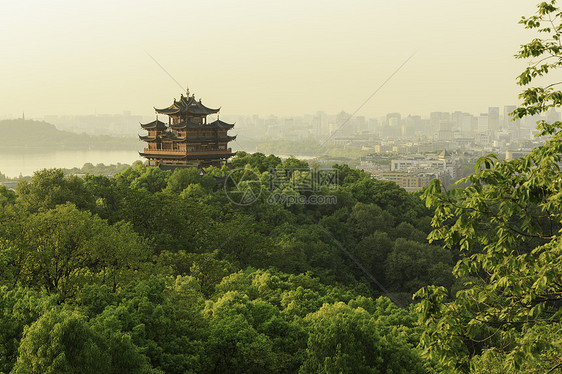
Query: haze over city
(250, 57)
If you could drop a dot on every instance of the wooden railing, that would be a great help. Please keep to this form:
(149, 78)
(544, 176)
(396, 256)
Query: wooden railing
(163, 151)
(195, 152)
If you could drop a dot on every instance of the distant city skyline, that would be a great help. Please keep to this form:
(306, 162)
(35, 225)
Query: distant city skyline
(503, 110)
(320, 125)
(285, 58)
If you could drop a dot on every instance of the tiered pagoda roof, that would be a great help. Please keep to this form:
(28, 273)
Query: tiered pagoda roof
(158, 125)
(227, 138)
(172, 137)
(167, 156)
(164, 136)
(187, 105)
(218, 124)
(199, 156)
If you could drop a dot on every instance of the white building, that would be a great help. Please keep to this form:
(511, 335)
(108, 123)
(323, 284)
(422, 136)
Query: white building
(429, 164)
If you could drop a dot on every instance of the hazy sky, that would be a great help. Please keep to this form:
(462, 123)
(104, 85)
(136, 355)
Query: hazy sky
(260, 57)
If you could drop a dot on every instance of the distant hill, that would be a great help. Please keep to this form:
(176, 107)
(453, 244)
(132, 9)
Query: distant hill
(29, 134)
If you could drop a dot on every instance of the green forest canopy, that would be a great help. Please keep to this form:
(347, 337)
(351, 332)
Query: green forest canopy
(161, 272)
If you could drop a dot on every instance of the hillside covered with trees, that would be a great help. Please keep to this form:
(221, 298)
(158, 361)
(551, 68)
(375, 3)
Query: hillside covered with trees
(29, 134)
(153, 271)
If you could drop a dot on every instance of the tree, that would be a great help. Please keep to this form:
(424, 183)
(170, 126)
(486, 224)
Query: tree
(365, 219)
(19, 308)
(61, 342)
(256, 160)
(372, 252)
(343, 339)
(412, 265)
(6, 196)
(507, 222)
(127, 176)
(160, 319)
(183, 178)
(107, 195)
(233, 345)
(293, 163)
(49, 188)
(63, 248)
(170, 222)
(152, 180)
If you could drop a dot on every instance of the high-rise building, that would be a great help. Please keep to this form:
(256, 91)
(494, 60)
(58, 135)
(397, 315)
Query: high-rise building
(508, 119)
(510, 123)
(392, 129)
(483, 125)
(435, 121)
(493, 119)
(467, 125)
(343, 123)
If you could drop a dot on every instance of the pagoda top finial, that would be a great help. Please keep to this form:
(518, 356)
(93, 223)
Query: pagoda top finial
(187, 91)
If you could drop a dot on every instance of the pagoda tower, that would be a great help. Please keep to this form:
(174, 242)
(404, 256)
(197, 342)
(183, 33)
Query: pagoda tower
(187, 140)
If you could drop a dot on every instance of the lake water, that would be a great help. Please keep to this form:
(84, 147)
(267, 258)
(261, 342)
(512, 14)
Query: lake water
(26, 162)
(14, 162)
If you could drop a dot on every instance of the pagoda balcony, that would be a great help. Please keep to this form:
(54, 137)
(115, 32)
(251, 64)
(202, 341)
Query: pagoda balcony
(195, 152)
(164, 151)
